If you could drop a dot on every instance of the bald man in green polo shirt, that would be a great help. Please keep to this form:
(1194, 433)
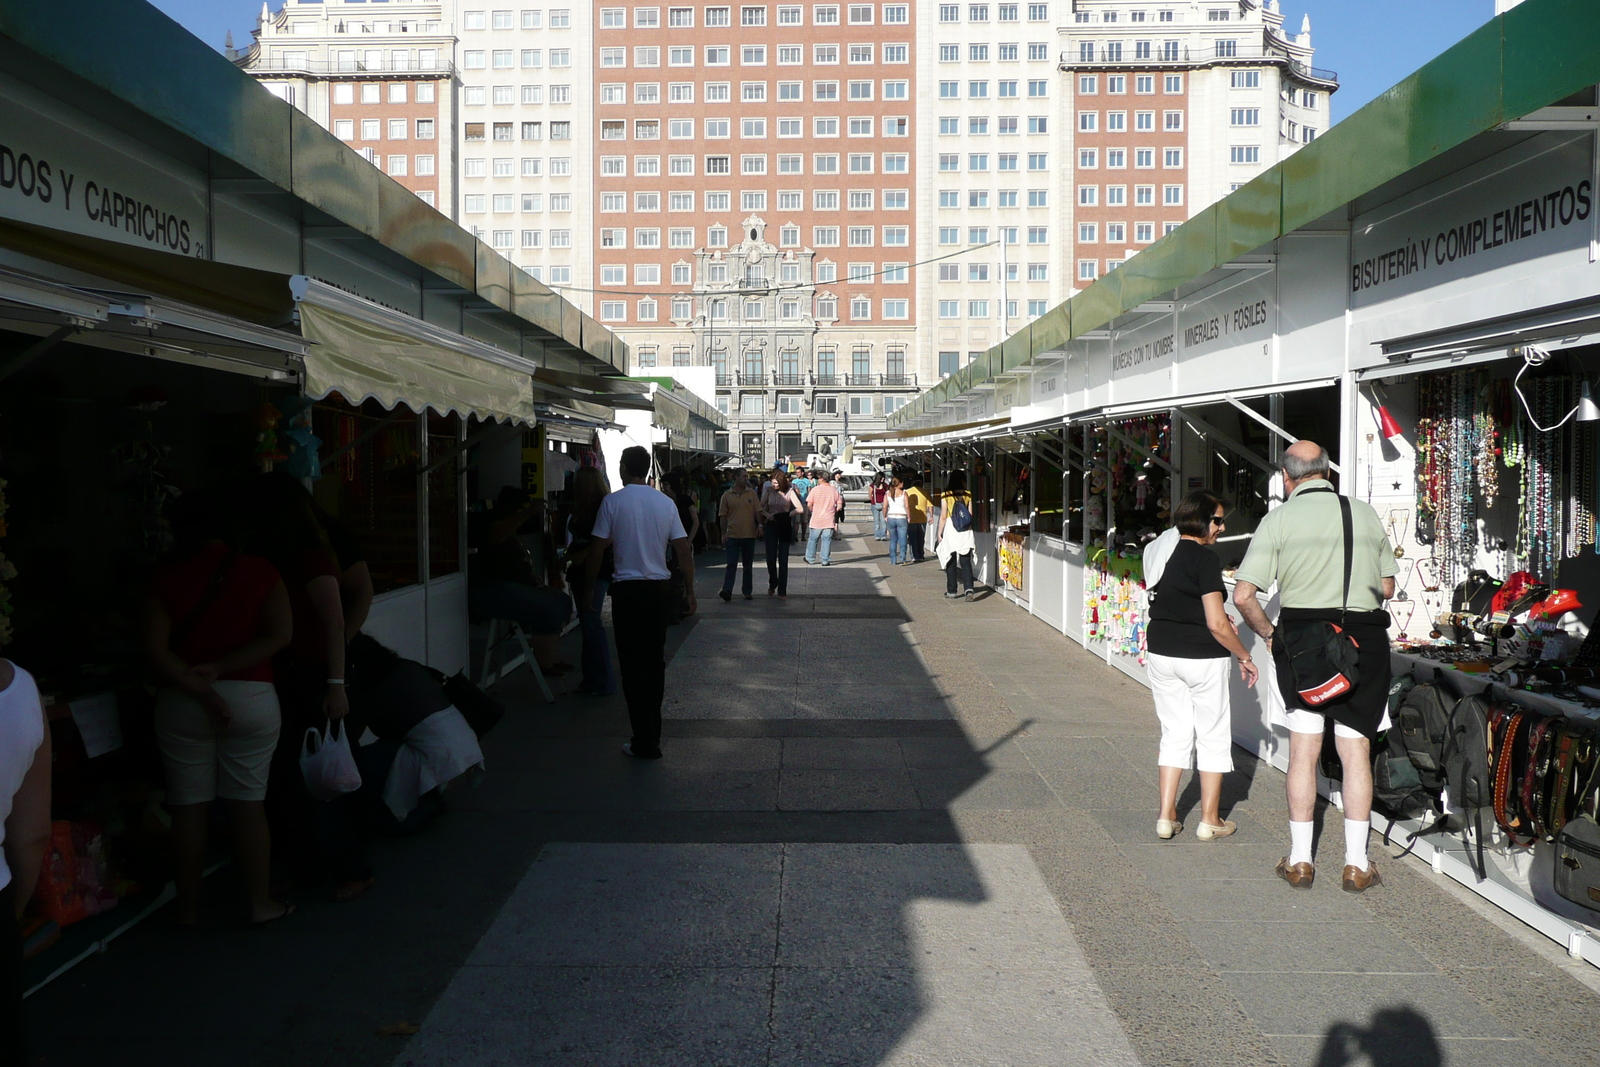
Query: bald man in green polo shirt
(1299, 547)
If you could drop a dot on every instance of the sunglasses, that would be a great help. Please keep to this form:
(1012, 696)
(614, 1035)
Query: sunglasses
(1218, 520)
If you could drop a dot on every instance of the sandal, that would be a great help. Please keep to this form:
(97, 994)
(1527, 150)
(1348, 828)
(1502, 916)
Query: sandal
(348, 891)
(288, 910)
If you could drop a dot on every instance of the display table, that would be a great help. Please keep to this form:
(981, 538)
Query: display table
(1518, 879)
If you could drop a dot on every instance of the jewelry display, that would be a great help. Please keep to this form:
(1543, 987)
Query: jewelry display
(1405, 622)
(1398, 518)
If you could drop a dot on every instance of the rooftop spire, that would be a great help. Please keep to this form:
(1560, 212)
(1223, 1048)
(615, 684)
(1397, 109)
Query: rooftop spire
(1305, 29)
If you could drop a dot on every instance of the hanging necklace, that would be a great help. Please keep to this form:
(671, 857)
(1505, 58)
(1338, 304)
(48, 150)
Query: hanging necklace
(1405, 622)
(1398, 517)
(1400, 579)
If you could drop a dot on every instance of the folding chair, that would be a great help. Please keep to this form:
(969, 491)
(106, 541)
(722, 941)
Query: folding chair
(501, 631)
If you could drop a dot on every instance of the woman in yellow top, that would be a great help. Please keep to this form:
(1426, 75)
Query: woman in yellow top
(956, 544)
(917, 505)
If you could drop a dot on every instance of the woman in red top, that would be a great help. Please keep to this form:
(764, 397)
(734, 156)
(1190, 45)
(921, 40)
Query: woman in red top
(213, 622)
(880, 517)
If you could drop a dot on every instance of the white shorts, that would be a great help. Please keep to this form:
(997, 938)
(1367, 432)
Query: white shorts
(1302, 721)
(1192, 703)
(204, 759)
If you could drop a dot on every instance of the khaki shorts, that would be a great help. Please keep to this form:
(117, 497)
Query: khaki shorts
(204, 760)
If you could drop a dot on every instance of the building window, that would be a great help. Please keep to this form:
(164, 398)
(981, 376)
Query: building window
(1172, 195)
(613, 310)
(1244, 154)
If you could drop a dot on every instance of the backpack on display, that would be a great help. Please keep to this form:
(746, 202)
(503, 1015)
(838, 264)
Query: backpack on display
(1396, 786)
(1420, 724)
(1466, 766)
(960, 516)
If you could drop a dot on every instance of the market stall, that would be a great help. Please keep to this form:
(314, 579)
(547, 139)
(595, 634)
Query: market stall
(219, 315)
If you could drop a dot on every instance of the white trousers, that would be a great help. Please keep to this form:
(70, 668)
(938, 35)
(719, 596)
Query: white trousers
(1192, 703)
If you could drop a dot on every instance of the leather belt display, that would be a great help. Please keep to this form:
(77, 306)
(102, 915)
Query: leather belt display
(1567, 753)
(1507, 723)
(1540, 735)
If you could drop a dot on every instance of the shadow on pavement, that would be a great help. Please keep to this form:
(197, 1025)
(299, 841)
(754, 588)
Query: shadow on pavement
(1395, 1037)
(787, 886)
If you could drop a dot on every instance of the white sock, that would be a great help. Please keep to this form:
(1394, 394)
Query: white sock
(1355, 842)
(1299, 842)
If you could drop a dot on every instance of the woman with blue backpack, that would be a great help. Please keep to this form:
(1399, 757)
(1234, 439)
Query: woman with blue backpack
(955, 545)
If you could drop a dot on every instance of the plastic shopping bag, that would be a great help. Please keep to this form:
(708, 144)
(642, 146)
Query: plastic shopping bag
(327, 764)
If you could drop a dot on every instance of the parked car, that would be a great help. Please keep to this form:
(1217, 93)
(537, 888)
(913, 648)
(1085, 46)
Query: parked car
(855, 487)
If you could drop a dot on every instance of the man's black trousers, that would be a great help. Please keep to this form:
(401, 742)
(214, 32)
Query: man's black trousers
(640, 614)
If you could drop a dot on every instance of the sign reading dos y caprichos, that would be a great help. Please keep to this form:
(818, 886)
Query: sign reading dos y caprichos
(63, 170)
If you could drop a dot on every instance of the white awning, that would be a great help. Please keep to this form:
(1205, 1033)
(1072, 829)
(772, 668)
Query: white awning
(363, 350)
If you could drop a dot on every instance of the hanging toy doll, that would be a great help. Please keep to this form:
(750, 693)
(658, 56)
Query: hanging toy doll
(266, 451)
(299, 442)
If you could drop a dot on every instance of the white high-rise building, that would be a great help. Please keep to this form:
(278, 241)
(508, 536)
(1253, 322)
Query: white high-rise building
(992, 165)
(1173, 106)
(526, 137)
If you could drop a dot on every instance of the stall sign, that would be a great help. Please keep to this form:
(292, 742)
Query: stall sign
(533, 462)
(61, 169)
(1242, 313)
(1488, 216)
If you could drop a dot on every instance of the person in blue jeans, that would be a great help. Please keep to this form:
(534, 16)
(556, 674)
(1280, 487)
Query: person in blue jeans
(875, 495)
(824, 502)
(898, 522)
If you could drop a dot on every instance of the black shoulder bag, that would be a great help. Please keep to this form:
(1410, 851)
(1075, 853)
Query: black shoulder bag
(1322, 656)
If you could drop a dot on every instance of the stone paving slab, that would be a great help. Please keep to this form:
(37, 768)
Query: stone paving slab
(798, 954)
(1301, 948)
(614, 905)
(598, 1017)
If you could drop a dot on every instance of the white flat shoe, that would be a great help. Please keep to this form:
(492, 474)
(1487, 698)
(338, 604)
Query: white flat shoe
(1210, 832)
(1167, 829)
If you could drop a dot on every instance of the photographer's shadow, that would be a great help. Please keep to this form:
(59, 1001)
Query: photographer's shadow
(1395, 1037)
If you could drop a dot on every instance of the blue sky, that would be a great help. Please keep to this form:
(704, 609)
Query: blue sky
(1371, 43)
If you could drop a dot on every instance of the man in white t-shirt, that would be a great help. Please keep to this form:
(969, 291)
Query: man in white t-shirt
(640, 524)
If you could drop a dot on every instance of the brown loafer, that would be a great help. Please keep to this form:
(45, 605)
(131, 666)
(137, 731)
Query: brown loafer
(1358, 881)
(1298, 875)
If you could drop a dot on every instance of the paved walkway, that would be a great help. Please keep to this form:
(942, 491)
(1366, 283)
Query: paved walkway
(888, 830)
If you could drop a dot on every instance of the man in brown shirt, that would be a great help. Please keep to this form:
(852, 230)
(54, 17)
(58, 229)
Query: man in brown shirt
(740, 513)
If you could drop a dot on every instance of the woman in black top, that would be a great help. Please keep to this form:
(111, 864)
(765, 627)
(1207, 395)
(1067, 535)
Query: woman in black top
(1189, 642)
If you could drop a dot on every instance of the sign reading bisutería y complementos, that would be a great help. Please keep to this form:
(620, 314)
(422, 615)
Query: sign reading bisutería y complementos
(64, 170)
(1492, 215)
